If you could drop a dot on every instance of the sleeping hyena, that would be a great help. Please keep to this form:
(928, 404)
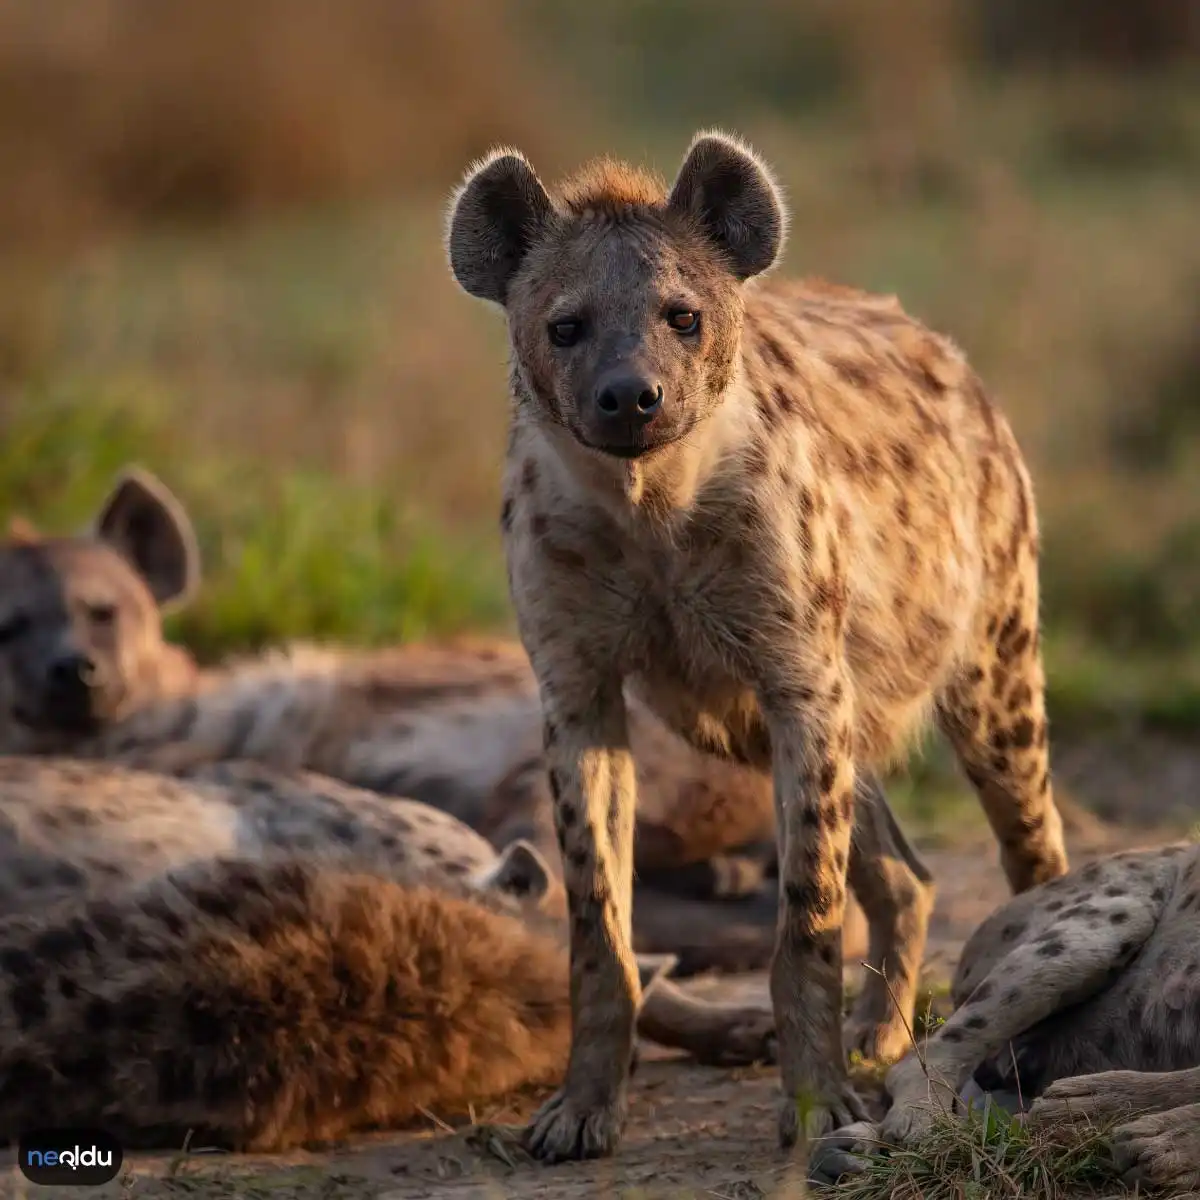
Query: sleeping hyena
(164, 940)
(84, 670)
(1081, 996)
(790, 516)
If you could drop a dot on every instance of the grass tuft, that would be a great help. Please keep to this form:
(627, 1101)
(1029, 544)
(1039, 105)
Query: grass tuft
(987, 1154)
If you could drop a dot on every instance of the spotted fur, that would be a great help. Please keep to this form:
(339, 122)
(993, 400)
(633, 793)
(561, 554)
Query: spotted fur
(1080, 999)
(458, 727)
(166, 944)
(789, 517)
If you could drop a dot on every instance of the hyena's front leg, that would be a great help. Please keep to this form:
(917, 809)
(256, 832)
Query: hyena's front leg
(811, 738)
(593, 785)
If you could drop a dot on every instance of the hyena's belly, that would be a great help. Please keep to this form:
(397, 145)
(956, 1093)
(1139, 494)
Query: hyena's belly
(722, 718)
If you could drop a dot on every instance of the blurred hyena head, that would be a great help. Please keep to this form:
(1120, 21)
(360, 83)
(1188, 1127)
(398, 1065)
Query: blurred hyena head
(623, 298)
(81, 641)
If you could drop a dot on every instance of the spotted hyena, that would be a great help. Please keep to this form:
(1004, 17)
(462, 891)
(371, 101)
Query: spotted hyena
(789, 517)
(84, 670)
(1079, 996)
(164, 941)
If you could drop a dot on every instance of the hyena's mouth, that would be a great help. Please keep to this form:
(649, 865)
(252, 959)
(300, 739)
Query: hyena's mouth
(635, 448)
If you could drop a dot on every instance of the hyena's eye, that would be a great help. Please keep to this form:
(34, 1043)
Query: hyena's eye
(566, 331)
(102, 614)
(13, 627)
(683, 320)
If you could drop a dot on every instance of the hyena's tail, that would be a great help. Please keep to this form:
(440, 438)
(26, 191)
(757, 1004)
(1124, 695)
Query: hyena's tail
(265, 1005)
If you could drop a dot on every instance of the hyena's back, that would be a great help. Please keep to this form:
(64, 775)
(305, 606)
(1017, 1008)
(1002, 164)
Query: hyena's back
(920, 489)
(71, 827)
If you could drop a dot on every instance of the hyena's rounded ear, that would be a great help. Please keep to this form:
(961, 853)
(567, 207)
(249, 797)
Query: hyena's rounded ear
(493, 219)
(732, 193)
(145, 523)
(520, 870)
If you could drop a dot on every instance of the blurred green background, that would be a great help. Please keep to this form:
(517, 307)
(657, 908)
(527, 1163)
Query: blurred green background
(220, 256)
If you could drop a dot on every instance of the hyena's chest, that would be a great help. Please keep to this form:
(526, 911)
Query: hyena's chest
(683, 659)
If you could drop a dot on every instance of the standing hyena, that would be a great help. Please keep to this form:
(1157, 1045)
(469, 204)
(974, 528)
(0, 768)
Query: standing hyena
(790, 517)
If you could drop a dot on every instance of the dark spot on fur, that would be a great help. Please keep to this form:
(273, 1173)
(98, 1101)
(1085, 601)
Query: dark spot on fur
(18, 963)
(1023, 734)
(506, 514)
(28, 999)
(98, 1016)
(1051, 947)
(976, 1022)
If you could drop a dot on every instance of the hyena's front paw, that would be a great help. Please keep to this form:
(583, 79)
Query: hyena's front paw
(571, 1126)
(846, 1151)
(917, 1101)
(1161, 1150)
(816, 1115)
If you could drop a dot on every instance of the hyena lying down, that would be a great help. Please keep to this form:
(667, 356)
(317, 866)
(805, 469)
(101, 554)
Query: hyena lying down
(787, 515)
(273, 960)
(84, 670)
(1081, 995)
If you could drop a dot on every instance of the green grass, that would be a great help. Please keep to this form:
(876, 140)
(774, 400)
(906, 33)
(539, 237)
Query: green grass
(288, 556)
(989, 1155)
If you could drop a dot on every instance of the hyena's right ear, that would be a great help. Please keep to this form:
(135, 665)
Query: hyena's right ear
(144, 522)
(494, 217)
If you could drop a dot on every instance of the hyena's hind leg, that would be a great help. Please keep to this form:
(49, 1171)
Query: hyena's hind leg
(994, 714)
(895, 890)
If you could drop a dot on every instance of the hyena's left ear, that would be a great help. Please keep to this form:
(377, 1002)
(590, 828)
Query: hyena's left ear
(732, 193)
(144, 522)
(494, 217)
(519, 870)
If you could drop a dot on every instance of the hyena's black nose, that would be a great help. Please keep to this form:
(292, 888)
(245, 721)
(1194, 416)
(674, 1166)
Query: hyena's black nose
(626, 400)
(70, 675)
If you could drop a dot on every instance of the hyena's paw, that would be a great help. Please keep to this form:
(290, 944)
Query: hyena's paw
(570, 1127)
(1161, 1150)
(846, 1151)
(834, 1107)
(1104, 1096)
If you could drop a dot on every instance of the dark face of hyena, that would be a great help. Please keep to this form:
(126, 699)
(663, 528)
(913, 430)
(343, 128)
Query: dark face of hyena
(80, 618)
(624, 302)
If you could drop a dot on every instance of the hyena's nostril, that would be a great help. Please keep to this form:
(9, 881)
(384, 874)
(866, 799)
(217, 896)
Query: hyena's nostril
(630, 399)
(71, 671)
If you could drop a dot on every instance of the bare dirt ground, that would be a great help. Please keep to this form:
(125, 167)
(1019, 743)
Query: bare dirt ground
(693, 1131)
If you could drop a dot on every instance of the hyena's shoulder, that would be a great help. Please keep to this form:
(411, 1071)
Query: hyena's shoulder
(851, 338)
